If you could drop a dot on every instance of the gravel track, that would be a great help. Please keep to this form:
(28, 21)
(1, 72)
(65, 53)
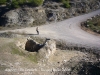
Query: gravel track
(68, 30)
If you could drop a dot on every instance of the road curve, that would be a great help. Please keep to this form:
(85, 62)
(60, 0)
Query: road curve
(68, 30)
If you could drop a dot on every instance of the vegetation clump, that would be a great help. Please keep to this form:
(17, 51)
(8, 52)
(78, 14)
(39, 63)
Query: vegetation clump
(94, 24)
(36, 2)
(65, 3)
(14, 4)
(18, 3)
(2, 2)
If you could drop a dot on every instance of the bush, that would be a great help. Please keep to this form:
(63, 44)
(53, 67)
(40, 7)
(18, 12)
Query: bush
(36, 2)
(14, 4)
(21, 1)
(2, 2)
(18, 3)
(66, 4)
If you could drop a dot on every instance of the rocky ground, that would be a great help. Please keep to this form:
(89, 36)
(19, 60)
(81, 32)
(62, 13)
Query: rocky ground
(51, 59)
(17, 61)
(50, 11)
(68, 31)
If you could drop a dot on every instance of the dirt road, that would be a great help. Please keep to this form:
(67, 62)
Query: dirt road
(68, 30)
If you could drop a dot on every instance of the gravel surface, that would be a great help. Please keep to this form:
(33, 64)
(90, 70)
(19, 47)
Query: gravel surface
(68, 30)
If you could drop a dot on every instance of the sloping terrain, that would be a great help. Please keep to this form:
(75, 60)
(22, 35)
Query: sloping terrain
(17, 61)
(68, 30)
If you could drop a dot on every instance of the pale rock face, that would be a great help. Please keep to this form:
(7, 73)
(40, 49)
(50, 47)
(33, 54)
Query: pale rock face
(11, 17)
(48, 50)
(21, 44)
(51, 45)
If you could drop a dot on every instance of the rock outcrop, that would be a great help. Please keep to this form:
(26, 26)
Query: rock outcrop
(45, 50)
(48, 49)
(50, 11)
(24, 16)
(55, 11)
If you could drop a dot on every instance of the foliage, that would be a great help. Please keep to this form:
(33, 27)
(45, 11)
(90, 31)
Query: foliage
(2, 2)
(14, 4)
(94, 25)
(18, 3)
(21, 1)
(36, 2)
(66, 4)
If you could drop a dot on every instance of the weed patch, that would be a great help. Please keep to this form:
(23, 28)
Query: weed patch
(93, 24)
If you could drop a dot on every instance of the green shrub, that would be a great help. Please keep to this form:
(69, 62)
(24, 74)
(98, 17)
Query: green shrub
(14, 4)
(94, 26)
(66, 4)
(21, 1)
(90, 23)
(2, 2)
(36, 2)
(59, 0)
